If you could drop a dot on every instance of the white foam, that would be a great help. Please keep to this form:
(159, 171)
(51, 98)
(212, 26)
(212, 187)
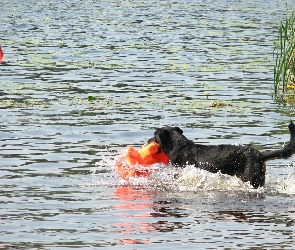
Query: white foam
(282, 185)
(167, 177)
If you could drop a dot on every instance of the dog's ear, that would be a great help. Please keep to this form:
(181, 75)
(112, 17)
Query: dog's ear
(179, 130)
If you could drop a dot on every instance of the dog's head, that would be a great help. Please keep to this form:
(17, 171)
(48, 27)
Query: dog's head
(167, 137)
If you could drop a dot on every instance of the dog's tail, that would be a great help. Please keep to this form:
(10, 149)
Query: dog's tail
(286, 151)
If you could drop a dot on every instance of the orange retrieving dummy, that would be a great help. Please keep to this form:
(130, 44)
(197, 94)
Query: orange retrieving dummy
(134, 163)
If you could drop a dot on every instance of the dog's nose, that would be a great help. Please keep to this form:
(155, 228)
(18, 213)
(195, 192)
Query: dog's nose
(151, 140)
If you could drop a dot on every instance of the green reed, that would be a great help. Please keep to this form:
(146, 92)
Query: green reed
(284, 52)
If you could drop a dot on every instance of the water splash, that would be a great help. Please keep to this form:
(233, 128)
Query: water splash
(279, 185)
(190, 179)
(194, 179)
(105, 174)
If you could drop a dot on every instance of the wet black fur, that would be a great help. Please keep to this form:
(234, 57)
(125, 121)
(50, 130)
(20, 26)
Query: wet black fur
(241, 161)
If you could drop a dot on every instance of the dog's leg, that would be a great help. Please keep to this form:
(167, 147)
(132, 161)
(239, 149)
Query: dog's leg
(255, 173)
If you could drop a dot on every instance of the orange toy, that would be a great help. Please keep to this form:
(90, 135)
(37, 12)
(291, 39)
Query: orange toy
(137, 161)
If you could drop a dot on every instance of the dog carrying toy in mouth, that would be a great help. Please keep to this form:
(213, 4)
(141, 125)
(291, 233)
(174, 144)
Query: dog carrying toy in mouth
(245, 162)
(136, 163)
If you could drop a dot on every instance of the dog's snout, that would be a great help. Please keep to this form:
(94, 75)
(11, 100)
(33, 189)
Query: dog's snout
(150, 140)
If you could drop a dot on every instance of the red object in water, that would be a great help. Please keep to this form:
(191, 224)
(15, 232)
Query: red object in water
(136, 163)
(1, 54)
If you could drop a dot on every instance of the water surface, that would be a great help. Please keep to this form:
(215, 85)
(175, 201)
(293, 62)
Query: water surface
(144, 64)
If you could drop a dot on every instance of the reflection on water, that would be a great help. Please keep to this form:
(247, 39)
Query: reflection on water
(201, 217)
(80, 80)
(133, 199)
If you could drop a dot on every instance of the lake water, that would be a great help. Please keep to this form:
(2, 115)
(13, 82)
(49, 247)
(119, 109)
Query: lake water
(81, 80)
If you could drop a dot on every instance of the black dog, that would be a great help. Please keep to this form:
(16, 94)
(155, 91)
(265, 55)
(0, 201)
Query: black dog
(244, 162)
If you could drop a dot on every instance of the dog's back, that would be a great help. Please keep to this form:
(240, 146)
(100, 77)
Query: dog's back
(244, 162)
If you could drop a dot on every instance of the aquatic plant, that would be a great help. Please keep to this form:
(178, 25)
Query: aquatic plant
(284, 53)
